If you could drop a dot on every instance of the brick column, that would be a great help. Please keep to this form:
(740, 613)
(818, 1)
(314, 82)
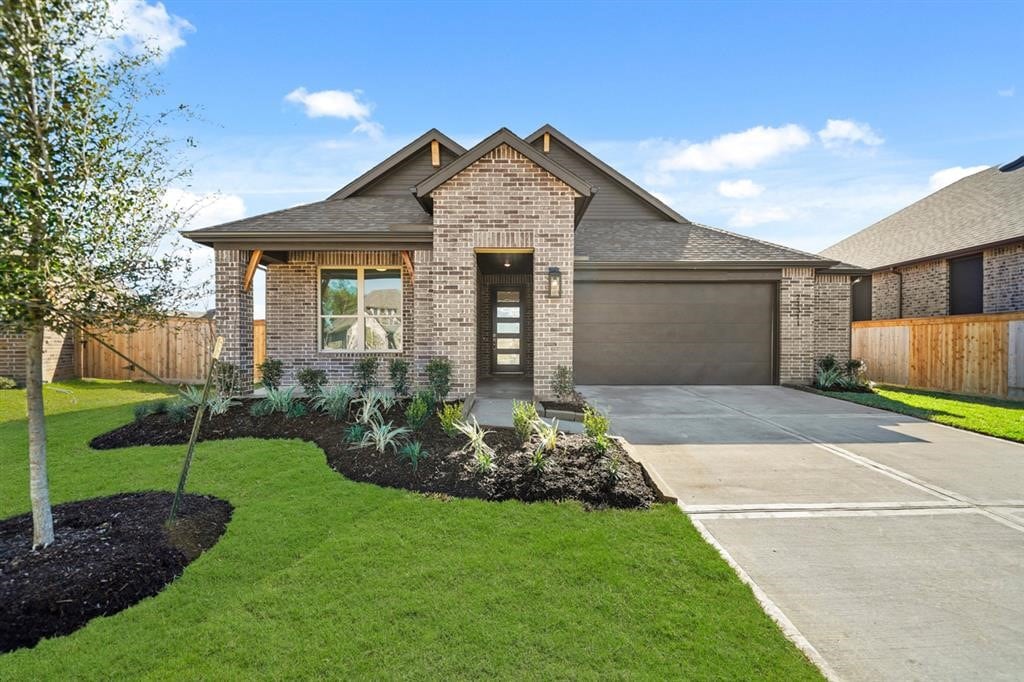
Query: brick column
(832, 316)
(796, 326)
(234, 314)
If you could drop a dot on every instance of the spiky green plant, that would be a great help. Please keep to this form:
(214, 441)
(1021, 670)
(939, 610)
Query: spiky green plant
(220, 404)
(383, 436)
(179, 411)
(548, 434)
(192, 395)
(370, 408)
(354, 433)
(277, 400)
(524, 413)
(334, 401)
(413, 452)
(483, 454)
(141, 412)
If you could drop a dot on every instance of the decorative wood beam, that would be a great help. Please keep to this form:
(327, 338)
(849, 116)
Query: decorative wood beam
(435, 153)
(408, 263)
(547, 142)
(250, 269)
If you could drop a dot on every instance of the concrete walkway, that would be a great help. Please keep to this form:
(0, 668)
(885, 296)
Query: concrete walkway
(498, 412)
(888, 547)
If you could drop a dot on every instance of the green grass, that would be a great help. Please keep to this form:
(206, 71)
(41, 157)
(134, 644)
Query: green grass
(1000, 418)
(319, 576)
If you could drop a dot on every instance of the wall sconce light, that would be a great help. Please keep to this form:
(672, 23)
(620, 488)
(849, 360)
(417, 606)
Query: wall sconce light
(554, 282)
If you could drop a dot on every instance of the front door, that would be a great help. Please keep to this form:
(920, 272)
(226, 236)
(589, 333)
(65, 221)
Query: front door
(507, 328)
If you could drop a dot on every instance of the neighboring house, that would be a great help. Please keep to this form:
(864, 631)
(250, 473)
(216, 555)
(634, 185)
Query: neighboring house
(58, 356)
(516, 257)
(957, 251)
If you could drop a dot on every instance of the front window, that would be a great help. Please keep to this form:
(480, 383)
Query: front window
(360, 309)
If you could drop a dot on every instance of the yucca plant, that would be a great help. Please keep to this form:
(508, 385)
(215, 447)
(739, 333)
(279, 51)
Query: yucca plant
(483, 454)
(383, 436)
(524, 413)
(179, 411)
(450, 414)
(192, 396)
(548, 434)
(334, 401)
(278, 400)
(369, 409)
(141, 412)
(219, 404)
(413, 452)
(354, 433)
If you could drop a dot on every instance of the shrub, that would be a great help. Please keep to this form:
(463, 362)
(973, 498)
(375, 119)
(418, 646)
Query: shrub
(383, 436)
(548, 434)
(220, 404)
(159, 407)
(271, 371)
(413, 452)
(524, 413)
(602, 443)
(594, 423)
(450, 414)
(366, 373)
(7, 382)
(612, 464)
(483, 454)
(354, 433)
(225, 378)
(831, 376)
(192, 395)
(312, 381)
(418, 410)
(563, 385)
(141, 412)
(278, 400)
(827, 362)
(398, 370)
(439, 376)
(179, 411)
(334, 401)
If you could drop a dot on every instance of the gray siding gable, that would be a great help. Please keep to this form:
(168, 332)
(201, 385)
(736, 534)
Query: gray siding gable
(398, 181)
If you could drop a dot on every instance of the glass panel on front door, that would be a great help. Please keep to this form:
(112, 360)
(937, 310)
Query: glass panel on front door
(506, 323)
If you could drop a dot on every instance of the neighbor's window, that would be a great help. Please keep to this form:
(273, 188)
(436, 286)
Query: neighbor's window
(966, 285)
(360, 309)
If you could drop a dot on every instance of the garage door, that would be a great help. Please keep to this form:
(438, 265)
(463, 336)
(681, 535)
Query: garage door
(674, 332)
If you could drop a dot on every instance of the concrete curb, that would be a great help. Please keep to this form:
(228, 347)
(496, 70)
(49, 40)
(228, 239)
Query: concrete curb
(563, 415)
(664, 492)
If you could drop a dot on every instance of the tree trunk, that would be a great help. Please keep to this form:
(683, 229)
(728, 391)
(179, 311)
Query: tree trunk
(39, 487)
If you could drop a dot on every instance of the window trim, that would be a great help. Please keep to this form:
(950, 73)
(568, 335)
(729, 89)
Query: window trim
(361, 314)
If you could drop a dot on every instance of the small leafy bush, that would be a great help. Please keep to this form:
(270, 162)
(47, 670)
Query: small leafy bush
(225, 378)
(355, 433)
(398, 370)
(334, 401)
(413, 452)
(419, 410)
(563, 384)
(612, 464)
(439, 376)
(312, 381)
(278, 400)
(220, 404)
(524, 413)
(602, 443)
(594, 423)
(7, 382)
(366, 373)
(450, 414)
(271, 370)
(383, 436)
(483, 454)
(179, 411)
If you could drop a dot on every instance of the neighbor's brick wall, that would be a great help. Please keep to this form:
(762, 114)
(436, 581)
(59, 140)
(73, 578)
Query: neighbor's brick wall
(293, 321)
(503, 200)
(58, 356)
(234, 313)
(832, 316)
(797, 299)
(926, 289)
(1004, 279)
(885, 295)
(485, 346)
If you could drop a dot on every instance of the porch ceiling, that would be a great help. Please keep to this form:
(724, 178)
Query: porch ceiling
(494, 263)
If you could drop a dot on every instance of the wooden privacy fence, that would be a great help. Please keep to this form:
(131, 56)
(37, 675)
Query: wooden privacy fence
(176, 349)
(973, 354)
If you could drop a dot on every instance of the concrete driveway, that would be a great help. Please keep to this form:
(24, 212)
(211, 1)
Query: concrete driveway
(889, 548)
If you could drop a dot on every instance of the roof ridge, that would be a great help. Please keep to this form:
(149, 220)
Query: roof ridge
(762, 241)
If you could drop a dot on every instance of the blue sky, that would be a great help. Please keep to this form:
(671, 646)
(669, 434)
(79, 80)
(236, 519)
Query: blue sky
(721, 109)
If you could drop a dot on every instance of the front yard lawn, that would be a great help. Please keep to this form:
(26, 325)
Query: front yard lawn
(1000, 418)
(320, 576)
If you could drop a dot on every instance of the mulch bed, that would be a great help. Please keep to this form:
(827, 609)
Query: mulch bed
(108, 554)
(575, 471)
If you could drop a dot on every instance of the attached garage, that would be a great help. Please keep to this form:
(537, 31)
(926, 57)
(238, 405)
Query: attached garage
(651, 332)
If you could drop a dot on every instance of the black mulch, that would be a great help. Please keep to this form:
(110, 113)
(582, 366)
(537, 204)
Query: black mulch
(108, 553)
(575, 471)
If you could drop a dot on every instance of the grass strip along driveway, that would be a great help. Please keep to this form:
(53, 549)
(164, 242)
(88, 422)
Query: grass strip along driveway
(999, 418)
(321, 576)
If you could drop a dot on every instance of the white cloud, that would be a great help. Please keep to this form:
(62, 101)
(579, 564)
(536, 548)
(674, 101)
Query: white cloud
(844, 133)
(373, 130)
(748, 217)
(138, 24)
(737, 150)
(948, 176)
(203, 210)
(1007, 92)
(739, 189)
(338, 104)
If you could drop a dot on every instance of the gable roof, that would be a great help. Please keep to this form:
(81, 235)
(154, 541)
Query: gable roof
(397, 158)
(603, 167)
(488, 144)
(983, 209)
(651, 241)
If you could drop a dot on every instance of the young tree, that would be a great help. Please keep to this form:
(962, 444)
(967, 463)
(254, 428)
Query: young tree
(83, 176)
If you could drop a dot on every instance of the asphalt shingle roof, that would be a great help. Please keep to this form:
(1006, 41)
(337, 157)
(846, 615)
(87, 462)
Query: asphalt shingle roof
(354, 214)
(612, 241)
(983, 208)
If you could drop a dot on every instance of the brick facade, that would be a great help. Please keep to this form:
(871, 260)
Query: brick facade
(832, 316)
(1004, 279)
(503, 200)
(234, 313)
(885, 295)
(926, 289)
(796, 325)
(58, 356)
